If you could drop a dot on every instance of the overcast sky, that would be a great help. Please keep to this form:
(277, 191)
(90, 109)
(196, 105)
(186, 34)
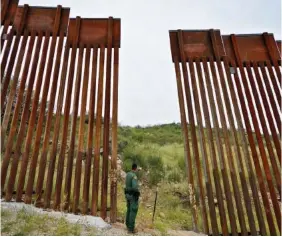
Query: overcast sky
(147, 88)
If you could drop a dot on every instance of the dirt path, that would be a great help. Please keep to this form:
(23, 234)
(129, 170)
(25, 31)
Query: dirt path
(120, 229)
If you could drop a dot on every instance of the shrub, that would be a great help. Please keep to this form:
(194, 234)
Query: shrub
(181, 164)
(122, 145)
(161, 226)
(155, 162)
(156, 167)
(128, 160)
(134, 154)
(174, 176)
(168, 168)
(154, 178)
(127, 165)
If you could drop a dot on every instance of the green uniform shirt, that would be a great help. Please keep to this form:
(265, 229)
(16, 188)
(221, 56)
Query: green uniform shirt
(132, 196)
(131, 182)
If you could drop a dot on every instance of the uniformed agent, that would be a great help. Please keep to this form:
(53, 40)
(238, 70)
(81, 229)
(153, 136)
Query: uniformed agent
(132, 195)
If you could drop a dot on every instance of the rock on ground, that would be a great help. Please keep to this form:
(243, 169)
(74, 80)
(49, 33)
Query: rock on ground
(94, 221)
(103, 228)
(183, 233)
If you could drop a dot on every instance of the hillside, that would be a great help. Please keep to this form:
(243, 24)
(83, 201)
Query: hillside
(159, 151)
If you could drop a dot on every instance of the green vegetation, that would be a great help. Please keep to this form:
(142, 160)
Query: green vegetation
(159, 151)
(158, 134)
(160, 158)
(23, 223)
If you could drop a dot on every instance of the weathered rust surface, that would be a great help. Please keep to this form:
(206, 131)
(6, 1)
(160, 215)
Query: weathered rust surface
(181, 41)
(43, 159)
(9, 104)
(96, 168)
(80, 153)
(209, 144)
(74, 117)
(9, 143)
(18, 31)
(73, 128)
(33, 137)
(31, 124)
(9, 39)
(228, 139)
(39, 128)
(8, 11)
(107, 107)
(263, 121)
(258, 134)
(223, 62)
(76, 101)
(21, 90)
(279, 45)
(113, 193)
(86, 184)
(270, 119)
(195, 44)
(215, 166)
(188, 159)
(239, 158)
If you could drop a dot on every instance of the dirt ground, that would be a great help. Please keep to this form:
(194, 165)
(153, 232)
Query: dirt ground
(28, 220)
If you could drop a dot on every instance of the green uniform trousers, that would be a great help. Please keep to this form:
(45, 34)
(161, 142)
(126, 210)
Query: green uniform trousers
(132, 209)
